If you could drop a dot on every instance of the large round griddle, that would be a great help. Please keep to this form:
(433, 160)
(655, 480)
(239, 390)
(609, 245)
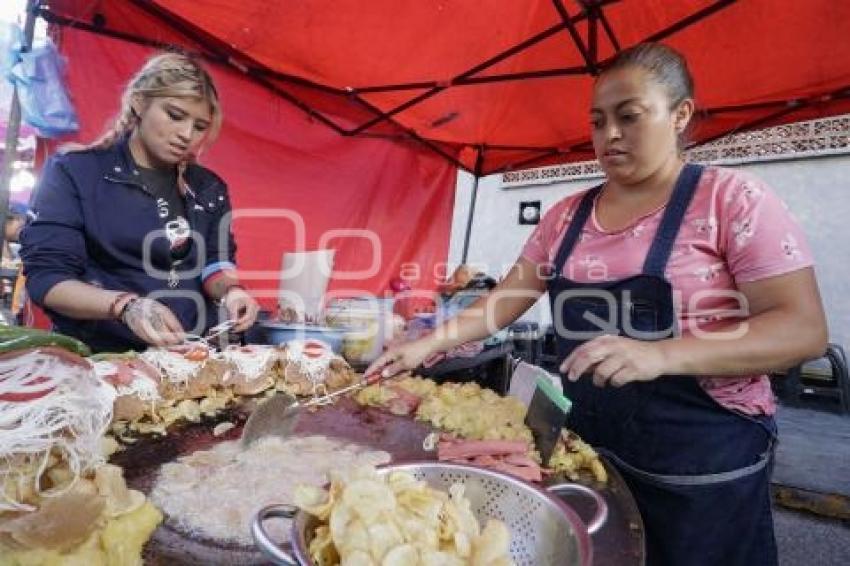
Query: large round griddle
(620, 541)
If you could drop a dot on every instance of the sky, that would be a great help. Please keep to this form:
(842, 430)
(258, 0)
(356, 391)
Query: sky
(13, 10)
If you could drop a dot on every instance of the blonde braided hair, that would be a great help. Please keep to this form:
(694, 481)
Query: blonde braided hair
(168, 74)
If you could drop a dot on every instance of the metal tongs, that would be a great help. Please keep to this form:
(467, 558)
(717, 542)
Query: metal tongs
(279, 414)
(212, 333)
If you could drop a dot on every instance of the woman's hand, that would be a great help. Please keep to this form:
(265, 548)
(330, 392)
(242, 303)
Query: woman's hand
(401, 358)
(614, 360)
(153, 322)
(241, 307)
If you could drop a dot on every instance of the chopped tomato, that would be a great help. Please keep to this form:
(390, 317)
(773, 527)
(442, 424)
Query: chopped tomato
(314, 349)
(122, 376)
(197, 354)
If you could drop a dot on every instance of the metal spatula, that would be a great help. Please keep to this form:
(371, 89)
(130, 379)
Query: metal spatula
(278, 415)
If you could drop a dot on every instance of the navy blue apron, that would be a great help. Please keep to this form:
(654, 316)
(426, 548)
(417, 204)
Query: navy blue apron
(698, 471)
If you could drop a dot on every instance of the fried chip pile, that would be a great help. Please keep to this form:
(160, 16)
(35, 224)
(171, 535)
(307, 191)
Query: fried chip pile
(94, 520)
(396, 520)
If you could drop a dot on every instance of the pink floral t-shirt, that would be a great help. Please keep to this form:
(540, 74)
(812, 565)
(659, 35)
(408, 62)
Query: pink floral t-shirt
(736, 230)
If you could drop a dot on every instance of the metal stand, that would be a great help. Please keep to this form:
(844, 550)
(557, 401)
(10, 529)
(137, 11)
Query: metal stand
(10, 155)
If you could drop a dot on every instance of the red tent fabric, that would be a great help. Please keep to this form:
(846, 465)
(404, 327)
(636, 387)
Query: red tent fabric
(295, 184)
(511, 78)
(354, 114)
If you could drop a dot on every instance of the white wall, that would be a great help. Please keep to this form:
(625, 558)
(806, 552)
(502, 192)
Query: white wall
(817, 190)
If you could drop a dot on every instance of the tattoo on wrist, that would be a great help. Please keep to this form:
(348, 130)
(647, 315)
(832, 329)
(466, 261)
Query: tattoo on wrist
(132, 312)
(144, 313)
(155, 321)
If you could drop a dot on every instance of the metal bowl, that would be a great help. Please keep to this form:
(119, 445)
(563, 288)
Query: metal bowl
(545, 531)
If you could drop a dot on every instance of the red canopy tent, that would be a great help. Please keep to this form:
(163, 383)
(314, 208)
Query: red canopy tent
(429, 85)
(511, 78)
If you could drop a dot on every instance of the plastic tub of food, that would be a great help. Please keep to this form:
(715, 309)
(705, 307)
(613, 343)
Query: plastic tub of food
(367, 325)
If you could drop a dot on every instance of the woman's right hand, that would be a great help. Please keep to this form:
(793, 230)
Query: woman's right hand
(153, 322)
(403, 357)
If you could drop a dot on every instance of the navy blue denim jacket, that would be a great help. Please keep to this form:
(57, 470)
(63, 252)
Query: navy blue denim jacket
(96, 222)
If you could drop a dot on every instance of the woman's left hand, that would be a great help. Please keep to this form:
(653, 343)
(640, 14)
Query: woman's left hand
(615, 360)
(241, 307)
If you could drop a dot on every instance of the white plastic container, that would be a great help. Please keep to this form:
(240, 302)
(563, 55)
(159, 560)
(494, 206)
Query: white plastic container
(368, 323)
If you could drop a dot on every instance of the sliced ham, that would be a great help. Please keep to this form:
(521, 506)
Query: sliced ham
(121, 370)
(403, 402)
(141, 367)
(115, 373)
(520, 460)
(508, 456)
(450, 450)
(31, 389)
(484, 460)
(528, 473)
(136, 382)
(54, 351)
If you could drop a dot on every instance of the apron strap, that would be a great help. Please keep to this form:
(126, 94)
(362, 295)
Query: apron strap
(668, 229)
(574, 230)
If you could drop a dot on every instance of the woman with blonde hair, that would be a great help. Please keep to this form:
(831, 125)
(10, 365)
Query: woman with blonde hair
(131, 243)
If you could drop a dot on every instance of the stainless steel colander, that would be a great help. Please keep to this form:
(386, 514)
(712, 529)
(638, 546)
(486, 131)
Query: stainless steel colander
(545, 531)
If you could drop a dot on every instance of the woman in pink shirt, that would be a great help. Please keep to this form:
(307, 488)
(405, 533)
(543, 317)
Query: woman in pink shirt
(674, 289)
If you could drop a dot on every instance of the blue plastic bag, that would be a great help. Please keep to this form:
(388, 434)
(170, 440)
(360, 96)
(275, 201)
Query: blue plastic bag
(39, 78)
(11, 38)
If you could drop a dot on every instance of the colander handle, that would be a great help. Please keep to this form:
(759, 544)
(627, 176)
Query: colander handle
(601, 514)
(261, 537)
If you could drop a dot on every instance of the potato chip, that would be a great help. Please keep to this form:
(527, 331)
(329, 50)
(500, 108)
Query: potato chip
(358, 558)
(322, 549)
(463, 544)
(402, 555)
(399, 481)
(395, 519)
(314, 500)
(382, 537)
(340, 518)
(369, 498)
(493, 544)
(439, 558)
(356, 537)
(421, 502)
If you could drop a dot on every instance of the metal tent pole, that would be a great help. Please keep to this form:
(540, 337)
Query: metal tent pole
(479, 161)
(13, 127)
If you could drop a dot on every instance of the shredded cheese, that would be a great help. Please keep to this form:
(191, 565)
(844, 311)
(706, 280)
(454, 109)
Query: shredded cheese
(312, 358)
(68, 413)
(173, 366)
(252, 364)
(142, 386)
